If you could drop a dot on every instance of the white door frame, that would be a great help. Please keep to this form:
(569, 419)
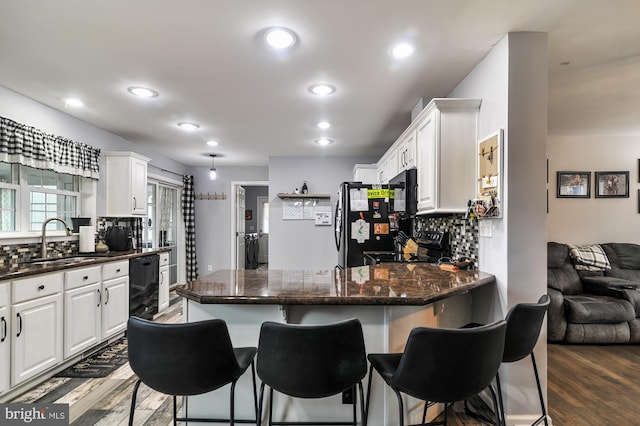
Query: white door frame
(232, 236)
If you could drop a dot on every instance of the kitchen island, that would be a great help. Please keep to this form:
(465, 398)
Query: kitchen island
(389, 299)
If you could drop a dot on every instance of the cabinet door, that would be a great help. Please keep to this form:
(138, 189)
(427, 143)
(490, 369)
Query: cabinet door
(36, 337)
(406, 151)
(426, 144)
(163, 289)
(82, 318)
(139, 186)
(115, 306)
(5, 329)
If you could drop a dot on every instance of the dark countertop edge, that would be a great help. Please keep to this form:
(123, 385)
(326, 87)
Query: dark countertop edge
(35, 269)
(332, 300)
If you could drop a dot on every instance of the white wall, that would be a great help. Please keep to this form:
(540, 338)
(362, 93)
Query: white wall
(27, 111)
(512, 82)
(300, 244)
(594, 220)
(214, 242)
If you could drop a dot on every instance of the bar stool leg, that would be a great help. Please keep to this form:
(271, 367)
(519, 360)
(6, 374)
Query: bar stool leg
(369, 391)
(544, 410)
(400, 408)
(133, 401)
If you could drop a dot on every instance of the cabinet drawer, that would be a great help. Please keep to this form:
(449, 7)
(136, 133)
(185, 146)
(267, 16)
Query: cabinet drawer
(164, 259)
(79, 277)
(4, 294)
(38, 286)
(115, 270)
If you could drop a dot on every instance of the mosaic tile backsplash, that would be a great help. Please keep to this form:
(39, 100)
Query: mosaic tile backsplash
(464, 233)
(13, 254)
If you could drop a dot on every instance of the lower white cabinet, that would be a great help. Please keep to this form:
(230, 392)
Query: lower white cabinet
(82, 306)
(115, 297)
(5, 327)
(163, 282)
(36, 326)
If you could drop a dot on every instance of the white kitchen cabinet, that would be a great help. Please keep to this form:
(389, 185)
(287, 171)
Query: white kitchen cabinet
(446, 140)
(163, 282)
(36, 326)
(387, 166)
(115, 297)
(5, 329)
(126, 184)
(405, 148)
(365, 173)
(82, 310)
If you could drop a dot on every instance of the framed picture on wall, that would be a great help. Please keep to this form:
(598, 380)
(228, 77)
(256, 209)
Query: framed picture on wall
(574, 184)
(612, 184)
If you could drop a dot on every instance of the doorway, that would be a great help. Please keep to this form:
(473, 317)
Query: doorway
(249, 215)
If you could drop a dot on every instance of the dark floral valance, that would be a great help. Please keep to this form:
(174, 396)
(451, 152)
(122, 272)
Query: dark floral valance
(32, 147)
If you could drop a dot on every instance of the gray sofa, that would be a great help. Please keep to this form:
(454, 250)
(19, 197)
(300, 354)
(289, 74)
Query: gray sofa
(588, 307)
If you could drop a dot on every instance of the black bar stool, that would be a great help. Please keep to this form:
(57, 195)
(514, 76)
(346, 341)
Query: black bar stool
(443, 365)
(187, 359)
(524, 322)
(312, 361)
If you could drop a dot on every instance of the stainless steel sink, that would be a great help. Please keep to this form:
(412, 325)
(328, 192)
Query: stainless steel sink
(59, 260)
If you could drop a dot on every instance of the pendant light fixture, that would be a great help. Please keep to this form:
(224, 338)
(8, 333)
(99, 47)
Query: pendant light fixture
(212, 170)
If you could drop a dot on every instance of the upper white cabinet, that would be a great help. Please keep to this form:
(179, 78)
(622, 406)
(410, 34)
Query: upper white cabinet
(446, 134)
(5, 327)
(388, 165)
(406, 150)
(126, 184)
(365, 173)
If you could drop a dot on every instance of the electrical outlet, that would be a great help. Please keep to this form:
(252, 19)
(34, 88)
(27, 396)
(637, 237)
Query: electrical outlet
(210, 268)
(347, 396)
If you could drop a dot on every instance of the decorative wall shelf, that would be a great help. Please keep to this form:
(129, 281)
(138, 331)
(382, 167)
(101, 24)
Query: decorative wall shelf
(214, 196)
(307, 196)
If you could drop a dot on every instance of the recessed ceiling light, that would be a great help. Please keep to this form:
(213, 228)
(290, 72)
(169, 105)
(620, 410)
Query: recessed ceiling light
(73, 102)
(324, 142)
(280, 37)
(322, 89)
(212, 143)
(142, 92)
(402, 50)
(188, 126)
(324, 124)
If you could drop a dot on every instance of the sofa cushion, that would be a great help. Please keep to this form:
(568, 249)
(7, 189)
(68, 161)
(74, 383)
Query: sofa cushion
(590, 257)
(598, 333)
(624, 259)
(586, 309)
(561, 275)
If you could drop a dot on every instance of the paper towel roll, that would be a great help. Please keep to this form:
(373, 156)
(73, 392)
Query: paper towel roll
(87, 239)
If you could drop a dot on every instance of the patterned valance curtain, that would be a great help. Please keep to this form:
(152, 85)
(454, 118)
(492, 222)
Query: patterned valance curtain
(32, 147)
(188, 213)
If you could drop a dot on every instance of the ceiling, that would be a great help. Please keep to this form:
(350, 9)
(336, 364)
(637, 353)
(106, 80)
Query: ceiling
(208, 63)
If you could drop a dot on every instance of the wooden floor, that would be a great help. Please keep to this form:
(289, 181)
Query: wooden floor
(588, 386)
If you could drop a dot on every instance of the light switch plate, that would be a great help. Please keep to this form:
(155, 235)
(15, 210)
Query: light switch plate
(486, 228)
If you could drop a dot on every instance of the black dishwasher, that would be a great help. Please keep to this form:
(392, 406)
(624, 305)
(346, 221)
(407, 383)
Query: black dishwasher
(143, 286)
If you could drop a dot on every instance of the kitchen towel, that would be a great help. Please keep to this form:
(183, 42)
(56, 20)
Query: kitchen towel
(87, 239)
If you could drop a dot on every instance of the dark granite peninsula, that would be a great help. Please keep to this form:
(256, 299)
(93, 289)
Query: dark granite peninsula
(389, 299)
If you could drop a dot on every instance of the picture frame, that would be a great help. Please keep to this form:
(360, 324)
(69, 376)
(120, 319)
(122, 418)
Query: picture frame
(487, 203)
(612, 184)
(573, 184)
(248, 214)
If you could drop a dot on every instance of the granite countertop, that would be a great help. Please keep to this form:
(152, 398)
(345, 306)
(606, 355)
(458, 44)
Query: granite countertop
(383, 284)
(19, 270)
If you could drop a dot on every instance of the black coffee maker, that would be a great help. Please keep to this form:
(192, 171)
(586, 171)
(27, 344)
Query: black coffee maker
(119, 238)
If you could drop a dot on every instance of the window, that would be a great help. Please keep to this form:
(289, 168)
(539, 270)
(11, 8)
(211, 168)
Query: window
(30, 196)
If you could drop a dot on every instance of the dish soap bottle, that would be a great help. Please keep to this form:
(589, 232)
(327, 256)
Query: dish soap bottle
(305, 190)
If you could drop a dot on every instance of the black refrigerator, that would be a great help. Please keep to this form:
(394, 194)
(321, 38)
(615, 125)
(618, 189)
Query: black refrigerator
(364, 220)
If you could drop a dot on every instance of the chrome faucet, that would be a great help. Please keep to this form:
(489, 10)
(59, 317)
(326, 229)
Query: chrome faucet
(44, 233)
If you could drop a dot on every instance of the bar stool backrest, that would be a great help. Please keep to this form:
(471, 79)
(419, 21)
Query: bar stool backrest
(447, 365)
(182, 359)
(311, 361)
(524, 322)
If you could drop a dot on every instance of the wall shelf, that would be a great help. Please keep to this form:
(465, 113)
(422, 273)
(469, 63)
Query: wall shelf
(303, 196)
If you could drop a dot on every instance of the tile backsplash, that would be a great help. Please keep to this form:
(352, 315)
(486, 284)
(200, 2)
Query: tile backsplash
(464, 233)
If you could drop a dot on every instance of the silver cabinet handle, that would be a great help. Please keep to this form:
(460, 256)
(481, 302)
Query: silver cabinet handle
(4, 329)
(106, 296)
(19, 324)
(99, 297)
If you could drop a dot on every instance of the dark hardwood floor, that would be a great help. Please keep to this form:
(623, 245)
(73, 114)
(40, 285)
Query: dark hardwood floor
(587, 386)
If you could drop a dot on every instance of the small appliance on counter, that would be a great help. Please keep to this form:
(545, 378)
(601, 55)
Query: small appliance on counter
(119, 238)
(434, 244)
